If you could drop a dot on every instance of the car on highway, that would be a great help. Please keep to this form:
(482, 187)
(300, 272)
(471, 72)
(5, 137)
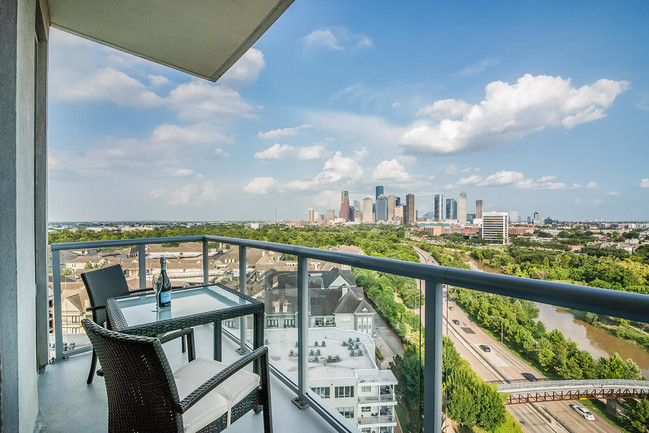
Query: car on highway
(530, 377)
(583, 412)
(456, 322)
(485, 348)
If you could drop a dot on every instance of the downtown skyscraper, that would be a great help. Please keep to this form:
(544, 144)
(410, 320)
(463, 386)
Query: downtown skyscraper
(438, 207)
(461, 217)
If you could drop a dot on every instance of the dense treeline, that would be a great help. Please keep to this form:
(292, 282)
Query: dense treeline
(607, 269)
(380, 241)
(551, 351)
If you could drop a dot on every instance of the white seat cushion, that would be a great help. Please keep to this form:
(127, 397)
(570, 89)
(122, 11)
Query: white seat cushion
(219, 400)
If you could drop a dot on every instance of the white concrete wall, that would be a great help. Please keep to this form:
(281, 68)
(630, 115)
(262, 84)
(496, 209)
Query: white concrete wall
(18, 362)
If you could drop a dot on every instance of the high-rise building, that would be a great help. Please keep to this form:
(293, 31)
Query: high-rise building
(368, 217)
(536, 220)
(382, 208)
(410, 215)
(331, 215)
(495, 227)
(311, 214)
(344, 213)
(398, 201)
(343, 194)
(358, 215)
(379, 191)
(478, 208)
(398, 214)
(451, 209)
(357, 204)
(513, 216)
(392, 203)
(461, 215)
(438, 207)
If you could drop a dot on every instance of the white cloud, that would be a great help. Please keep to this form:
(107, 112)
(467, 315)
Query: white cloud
(338, 168)
(478, 67)
(471, 180)
(359, 129)
(196, 194)
(157, 80)
(183, 172)
(113, 85)
(445, 109)
(576, 186)
(284, 151)
(260, 185)
(219, 153)
(328, 199)
(198, 133)
(510, 112)
(245, 71)
(199, 100)
(285, 132)
(390, 170)
(644, 183)
(336, 38)
(591, 185)
(395, 104)
(502, 178)
(360, 154)
(613, 193)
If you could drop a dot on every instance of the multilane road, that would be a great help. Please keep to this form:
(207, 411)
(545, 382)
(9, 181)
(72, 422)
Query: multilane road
(501, 365)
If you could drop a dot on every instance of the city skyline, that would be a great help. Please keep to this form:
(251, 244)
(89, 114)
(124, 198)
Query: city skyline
(342, 97)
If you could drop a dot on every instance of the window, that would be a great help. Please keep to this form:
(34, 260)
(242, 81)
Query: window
(347, 412)
(229, 323)
(272, 323)
(366, 430)
(289, 323)
(366, 389)
(322, 391)
(344, 391)
(365, 409)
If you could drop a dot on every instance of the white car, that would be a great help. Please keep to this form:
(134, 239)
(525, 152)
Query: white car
(583, 412)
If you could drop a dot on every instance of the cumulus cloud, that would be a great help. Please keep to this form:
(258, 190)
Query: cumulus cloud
(246, 70)
(183, 172)
(338, 168)
(613, 193)
(157, 80)
(200, 100)
(508, 112)
(390, 170)
(198, 194)
(591, 185)
(336, 38)
(471, 180)
(114, 85)
(644, 183)
(260, 185)
(285, 132)
(284, 151)
(328, 199)
(515, 179)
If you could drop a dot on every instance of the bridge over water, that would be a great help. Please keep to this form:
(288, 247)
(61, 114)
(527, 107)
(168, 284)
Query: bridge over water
(552, 390)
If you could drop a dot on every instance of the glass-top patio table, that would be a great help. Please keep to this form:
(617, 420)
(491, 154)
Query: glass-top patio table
(191, 306)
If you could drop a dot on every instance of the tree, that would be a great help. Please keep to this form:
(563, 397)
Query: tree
(639, 416)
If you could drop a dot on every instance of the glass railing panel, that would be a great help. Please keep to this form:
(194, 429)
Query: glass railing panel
(184, 262)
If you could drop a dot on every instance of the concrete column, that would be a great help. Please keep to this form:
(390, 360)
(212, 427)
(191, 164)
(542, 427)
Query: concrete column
(22, 204)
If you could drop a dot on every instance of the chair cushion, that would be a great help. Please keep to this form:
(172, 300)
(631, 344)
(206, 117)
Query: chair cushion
(219, 400)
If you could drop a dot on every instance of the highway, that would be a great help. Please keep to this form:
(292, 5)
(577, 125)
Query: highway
(501, 365)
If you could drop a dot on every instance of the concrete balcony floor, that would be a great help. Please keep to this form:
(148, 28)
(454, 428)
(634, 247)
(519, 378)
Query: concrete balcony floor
(67, 404)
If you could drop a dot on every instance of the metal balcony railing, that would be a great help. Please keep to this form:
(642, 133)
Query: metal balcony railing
(377, 399)
(384, 419)
(625, 305)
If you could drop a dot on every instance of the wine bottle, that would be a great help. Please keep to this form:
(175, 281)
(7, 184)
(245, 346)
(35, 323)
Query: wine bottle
(164, 296)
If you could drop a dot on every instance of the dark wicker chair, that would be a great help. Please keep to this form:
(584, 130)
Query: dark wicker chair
(203, 396)
(109, 282)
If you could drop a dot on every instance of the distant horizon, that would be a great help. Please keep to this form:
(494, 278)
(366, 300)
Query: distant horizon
(528, 107)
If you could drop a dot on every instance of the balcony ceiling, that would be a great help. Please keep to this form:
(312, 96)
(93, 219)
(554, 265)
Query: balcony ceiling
(200, 37)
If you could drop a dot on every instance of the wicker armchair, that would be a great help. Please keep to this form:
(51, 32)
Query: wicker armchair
(109, 282)
(144, 395)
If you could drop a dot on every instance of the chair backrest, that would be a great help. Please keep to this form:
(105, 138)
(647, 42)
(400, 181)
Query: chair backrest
(102, 284)
(142, 393)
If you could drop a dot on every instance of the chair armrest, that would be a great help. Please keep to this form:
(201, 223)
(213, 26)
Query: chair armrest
(175, 334)
(214, 381)
(96, 307)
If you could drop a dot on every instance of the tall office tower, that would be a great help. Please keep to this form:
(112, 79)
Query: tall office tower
(368, 217)
(357, 204)
(382, 208)
(513, 216)
(392, 203)
(311, 214)
(536, 220)
(451, 209)
(344, 208)
(398, 201)
(343, 194)
(461, 216)
(438, 207)
(379, 191)
(358, 215)
(478, 208)
(495, 227)
(398, 214)
(410, 216)
(331, 215)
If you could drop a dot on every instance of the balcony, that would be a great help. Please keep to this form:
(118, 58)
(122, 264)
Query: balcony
(85, 407)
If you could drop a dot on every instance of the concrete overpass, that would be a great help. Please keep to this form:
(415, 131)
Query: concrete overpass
(552, 390)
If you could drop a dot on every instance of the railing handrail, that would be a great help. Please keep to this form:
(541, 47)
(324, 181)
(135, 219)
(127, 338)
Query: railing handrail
(632, 306)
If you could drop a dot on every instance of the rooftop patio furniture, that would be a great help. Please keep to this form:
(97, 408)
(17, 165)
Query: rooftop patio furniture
(109, 282)
(144, 395)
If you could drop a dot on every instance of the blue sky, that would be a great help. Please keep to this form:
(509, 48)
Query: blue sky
(529, 106)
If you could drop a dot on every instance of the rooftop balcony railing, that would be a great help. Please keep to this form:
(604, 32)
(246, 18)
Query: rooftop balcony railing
(619, 304)
(372, 420)
(377, 399)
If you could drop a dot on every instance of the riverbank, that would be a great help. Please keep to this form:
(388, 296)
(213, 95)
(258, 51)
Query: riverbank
(623, 331)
